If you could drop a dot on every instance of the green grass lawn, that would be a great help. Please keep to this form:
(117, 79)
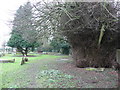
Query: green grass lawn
(9, 67)
(9, 71)
(13, 75)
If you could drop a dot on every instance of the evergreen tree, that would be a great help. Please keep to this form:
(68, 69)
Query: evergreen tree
(23, 31)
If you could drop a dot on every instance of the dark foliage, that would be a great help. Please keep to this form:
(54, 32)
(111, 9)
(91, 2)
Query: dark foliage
(91, 28)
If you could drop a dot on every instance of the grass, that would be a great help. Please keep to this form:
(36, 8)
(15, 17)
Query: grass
(54, 79)
(8, 67)
(8, 71)
(42, 72)
(16, 76)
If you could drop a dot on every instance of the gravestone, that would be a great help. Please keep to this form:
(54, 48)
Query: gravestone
(118, 55)
(7, 61)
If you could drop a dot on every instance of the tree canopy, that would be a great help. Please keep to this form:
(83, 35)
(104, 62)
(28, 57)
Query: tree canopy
(59, 44)
(91, 28)
(23, 34)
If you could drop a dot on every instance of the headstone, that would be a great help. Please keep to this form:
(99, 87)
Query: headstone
(118, 55)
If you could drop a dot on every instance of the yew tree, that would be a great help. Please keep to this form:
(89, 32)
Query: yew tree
(23, 36)
(91, 28)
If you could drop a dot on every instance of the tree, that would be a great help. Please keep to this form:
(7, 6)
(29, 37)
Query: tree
(59, 44)
(24, 23)
(23, 31)
(90, 27)
(4, 45)
(16, 41)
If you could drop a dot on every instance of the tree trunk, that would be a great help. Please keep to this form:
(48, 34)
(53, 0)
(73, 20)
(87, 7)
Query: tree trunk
(22, 53)
(33, 48)
(86, 52)
(26, 51)
(92, 57)
(20, 50)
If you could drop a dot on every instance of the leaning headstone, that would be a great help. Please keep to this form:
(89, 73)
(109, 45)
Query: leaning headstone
(116, 64)
(24, 59)
(118, 55)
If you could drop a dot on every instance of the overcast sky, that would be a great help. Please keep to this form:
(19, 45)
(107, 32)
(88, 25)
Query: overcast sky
(7, 11)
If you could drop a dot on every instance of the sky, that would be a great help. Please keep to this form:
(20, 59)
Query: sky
(7, 11)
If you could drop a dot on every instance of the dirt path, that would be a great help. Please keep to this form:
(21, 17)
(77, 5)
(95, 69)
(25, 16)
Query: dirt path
(33, 71)
(61, 72)
(89, 79)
